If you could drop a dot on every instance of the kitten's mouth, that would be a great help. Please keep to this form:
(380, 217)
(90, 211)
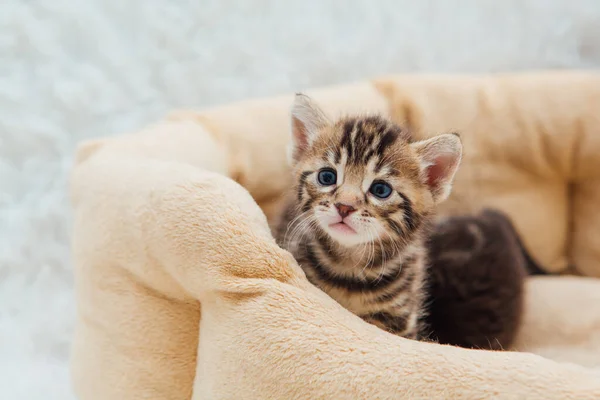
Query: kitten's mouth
(342, 227)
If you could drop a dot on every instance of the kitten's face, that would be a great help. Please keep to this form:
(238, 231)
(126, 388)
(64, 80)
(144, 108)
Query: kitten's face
(362, 184)
(361, 181)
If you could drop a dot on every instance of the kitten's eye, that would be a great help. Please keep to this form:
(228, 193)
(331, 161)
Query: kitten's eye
(327, 177)
(381, 190)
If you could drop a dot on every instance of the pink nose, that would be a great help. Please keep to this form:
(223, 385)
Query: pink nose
(344, 210)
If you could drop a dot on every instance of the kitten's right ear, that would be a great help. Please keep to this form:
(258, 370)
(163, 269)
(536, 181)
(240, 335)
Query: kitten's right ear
(307, 120)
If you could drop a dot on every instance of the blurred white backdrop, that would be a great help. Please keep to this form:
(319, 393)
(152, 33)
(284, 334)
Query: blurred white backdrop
(71, 70)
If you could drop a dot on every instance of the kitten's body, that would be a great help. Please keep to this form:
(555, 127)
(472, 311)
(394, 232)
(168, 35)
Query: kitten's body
(477, 268)
(358, 221)
(381, 283)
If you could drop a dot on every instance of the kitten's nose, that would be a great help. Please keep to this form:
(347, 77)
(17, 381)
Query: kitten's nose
(344, 209)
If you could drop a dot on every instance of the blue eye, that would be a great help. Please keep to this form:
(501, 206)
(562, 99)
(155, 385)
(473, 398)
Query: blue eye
(327, 177)
(381, 190)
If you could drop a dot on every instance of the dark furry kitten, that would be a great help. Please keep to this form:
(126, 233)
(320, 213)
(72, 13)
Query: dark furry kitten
(477, 266)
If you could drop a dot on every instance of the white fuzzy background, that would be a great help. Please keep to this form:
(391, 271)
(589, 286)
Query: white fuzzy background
(75, 69)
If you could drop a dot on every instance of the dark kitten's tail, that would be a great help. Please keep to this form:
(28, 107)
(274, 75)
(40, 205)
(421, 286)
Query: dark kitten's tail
(532, 267)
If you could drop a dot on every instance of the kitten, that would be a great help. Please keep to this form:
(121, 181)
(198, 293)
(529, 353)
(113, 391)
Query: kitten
(364, 199)
(477, 267)
(359, 219)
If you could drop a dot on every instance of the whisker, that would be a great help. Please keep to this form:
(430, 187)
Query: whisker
(395, 245)
(291, 224)
(383, 252)
(360, 258)
(371, 260)
(301, 229)
(383, 263)
(367, 245)
(372, 243)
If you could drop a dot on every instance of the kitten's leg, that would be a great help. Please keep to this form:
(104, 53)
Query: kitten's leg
(404, 324)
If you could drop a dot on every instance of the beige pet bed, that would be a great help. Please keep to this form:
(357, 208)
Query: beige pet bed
(182, 292)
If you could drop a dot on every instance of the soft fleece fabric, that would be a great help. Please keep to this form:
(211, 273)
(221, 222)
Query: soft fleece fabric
(182, 292)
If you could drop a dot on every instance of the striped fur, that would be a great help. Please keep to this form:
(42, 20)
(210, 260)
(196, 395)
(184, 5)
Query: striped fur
(380, 277)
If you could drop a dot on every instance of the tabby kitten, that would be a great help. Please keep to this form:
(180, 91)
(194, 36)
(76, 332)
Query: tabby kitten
(364, 199)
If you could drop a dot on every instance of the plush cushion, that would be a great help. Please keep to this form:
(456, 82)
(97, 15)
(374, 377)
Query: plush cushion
(182, 292)
(529, 143)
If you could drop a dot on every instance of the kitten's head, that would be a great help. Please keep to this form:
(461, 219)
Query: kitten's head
(362, 179)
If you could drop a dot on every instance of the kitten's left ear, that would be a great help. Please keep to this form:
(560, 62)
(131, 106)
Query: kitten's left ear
(307, 121)
(440, 157)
